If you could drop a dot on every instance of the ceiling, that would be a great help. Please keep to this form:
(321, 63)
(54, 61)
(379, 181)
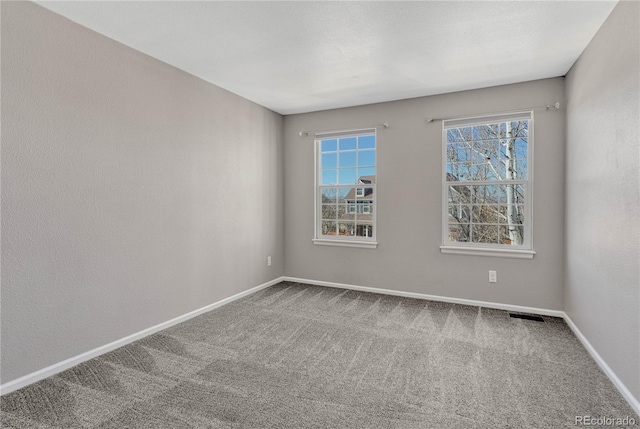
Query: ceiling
(301, 56)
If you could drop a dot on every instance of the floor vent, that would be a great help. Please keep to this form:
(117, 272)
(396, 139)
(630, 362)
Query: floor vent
(527, 317)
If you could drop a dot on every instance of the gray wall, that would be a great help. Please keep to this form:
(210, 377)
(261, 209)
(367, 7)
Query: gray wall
(602, 276)
(132, 192)
(409, 207)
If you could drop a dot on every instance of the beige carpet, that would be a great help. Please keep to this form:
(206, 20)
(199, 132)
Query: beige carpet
(300, 356)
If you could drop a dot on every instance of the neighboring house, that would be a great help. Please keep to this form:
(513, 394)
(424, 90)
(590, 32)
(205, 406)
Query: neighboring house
(359, 210)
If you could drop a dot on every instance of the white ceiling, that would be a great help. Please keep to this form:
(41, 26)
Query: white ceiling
(301, 56)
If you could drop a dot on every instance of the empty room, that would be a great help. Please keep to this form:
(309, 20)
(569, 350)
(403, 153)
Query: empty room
(320, 214)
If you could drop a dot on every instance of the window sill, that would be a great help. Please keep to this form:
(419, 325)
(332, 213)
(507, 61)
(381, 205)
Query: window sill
(345, 243)
(476, 251)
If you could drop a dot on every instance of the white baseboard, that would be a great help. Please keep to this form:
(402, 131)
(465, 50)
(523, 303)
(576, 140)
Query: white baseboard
(68, 363)
(507, 307)
(626, 393)
(56, 368)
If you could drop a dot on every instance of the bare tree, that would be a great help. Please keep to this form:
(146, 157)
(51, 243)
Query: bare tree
(487, 206)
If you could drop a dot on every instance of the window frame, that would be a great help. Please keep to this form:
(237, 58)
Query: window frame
(524, 251)
(337, 240)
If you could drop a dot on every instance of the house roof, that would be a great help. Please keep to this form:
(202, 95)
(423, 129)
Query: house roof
(362, 219)
(369, 193)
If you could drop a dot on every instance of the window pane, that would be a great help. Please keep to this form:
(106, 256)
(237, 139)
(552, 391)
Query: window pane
(484, 233)
(459, 233)
(458, 171)
(342, 194)
(364, 230)
(329, 195)
(460, 194)
(512, 235)
(459, 135)
(459, 213)
(512, 194)
(329, 177)
(366, 158)
(348, 143)
(458, 152)
(518, 191)
(347, 176)
(366, 142)
(485, 214)
(500, 168)
(520, 166)
(488, 131)
(369, 171)
(329, 145)
(328, 228)
(485, 171)
(519, 128)
(364, 210)
(347, 159)
(329, 212)
(329, 160)
(514, 156)
(521, 148)
(347, 229)
(486, 150)
(346, 212)
(493, 170)
(513, 214)
(486, 194)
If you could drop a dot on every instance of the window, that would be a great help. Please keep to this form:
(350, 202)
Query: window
(346, 188)
(362, 207)
(487, 185)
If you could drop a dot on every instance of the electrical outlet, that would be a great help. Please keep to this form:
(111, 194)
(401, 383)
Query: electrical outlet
(268, 261)
(493, 277)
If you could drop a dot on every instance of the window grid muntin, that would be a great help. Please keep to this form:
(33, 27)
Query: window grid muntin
(366, 144)
(341, 209)
(524, 182)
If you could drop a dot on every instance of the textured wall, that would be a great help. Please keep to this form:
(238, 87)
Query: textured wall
(132, 192)
(409, 187)
(602, 278)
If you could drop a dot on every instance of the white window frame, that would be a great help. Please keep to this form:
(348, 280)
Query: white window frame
(359, 192)
(337, 240)
(524, 251)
